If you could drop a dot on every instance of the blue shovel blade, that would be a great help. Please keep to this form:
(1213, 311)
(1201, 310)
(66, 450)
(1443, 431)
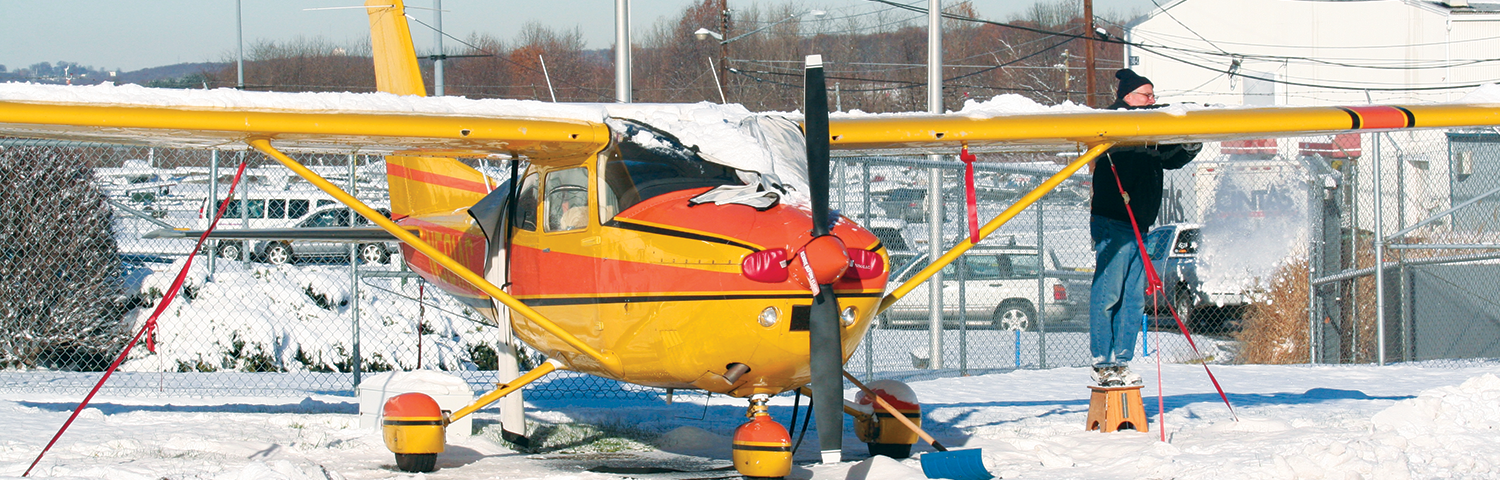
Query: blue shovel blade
(955, 464)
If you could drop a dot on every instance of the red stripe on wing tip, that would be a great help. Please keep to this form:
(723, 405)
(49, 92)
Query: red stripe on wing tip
(1383, 117)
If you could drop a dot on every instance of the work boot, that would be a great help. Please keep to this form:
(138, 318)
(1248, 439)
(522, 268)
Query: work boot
(1127, 377)
(1107, 376)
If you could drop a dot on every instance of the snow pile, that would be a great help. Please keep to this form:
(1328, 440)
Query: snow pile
(1012, 104)
(1300, 421)
(1487, 93)
(425, 381)
(1444, 432)
(268, 318)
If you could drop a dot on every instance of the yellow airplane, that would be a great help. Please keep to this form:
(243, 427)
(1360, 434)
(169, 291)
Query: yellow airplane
(629, 252)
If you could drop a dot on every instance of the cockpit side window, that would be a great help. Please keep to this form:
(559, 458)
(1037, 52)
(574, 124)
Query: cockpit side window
(567, 199)
(616, 190)
(646, 163)
(526, 204)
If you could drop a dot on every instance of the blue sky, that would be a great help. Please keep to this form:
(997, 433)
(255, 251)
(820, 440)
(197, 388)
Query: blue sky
(129, 35)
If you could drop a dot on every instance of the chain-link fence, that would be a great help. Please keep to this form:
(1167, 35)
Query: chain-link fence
(1246, 232)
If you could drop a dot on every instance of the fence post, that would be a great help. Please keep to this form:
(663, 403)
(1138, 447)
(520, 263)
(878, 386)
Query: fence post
(1041, 287)
(354, 277)
(1379, 257)
(935, 248)
(211, 208)
(869, 332)
(244, 204)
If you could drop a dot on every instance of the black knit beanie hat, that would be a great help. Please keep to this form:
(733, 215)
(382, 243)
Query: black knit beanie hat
(1129, 81)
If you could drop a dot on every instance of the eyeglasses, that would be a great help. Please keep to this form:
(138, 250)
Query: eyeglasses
(1147, 95)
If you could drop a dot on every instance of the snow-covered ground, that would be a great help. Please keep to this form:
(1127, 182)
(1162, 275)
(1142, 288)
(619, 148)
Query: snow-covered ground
(1343, 422)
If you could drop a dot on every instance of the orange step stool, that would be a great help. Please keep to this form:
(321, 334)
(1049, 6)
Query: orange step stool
(1114, 408)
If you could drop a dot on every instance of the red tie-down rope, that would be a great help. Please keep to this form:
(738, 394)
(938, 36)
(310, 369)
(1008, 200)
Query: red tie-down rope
(1154, 288)
(971, 201)
(149, 329)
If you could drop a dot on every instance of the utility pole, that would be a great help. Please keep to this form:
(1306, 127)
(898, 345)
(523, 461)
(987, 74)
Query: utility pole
(1088, 56)
(724, 46)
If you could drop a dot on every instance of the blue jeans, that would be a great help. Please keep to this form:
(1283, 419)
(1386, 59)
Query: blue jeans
(1119, 293)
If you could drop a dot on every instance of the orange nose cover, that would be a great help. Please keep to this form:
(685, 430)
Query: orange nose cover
(826, 257)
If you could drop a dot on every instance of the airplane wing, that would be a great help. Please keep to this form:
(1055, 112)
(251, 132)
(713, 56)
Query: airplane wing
(383, 123)
(330, 234)
(378, 123)
(1172, 124)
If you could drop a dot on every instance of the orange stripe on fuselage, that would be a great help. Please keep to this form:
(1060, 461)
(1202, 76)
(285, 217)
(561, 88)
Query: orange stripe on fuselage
(436, 179)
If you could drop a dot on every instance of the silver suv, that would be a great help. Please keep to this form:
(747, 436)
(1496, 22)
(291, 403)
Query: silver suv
(1000, 291)
(284, 251)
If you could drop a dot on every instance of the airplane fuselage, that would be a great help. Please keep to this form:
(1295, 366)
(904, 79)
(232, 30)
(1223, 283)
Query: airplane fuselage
(610, 248)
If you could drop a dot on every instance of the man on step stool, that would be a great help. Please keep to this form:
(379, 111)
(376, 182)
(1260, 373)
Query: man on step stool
(1119, 291)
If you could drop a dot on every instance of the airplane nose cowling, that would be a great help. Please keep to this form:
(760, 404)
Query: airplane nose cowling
(824, 259)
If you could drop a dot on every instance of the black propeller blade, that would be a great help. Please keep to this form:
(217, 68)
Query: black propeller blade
(826, 353)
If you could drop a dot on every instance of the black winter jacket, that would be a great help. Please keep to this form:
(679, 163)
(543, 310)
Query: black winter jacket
(1140, 172)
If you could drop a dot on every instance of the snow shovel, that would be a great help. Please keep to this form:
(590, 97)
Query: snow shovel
(944, 463)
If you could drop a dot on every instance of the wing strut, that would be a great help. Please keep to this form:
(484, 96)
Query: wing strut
(607, 359)
(993, 225)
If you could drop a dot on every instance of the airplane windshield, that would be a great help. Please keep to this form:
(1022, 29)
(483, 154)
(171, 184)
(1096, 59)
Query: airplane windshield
(649, 162)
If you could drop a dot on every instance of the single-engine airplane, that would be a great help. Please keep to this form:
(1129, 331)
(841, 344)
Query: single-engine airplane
(672, 246)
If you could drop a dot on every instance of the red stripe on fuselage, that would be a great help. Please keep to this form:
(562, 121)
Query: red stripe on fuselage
(468, 248)
(435, 179)
(543, 273)
(1382, 117)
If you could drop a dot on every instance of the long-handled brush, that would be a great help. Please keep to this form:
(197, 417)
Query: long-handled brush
(965, 464)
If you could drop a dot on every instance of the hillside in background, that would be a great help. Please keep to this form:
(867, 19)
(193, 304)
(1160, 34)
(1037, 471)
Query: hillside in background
(182, 75)
(170, 73)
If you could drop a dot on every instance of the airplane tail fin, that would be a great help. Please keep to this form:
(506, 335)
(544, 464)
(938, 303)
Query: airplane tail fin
(427, 185)
(396, 69)
(419, 185)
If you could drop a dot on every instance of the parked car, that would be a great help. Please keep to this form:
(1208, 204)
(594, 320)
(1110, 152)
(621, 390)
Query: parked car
(285, 251)
(906, 203)
(1000, 291)
(1174, 250)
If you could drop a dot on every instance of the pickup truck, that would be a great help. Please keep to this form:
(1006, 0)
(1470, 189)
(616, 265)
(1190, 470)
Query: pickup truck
(1000, 290)
(1174, 250)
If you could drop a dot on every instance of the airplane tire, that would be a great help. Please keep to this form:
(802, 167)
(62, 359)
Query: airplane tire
(416, 462)
(894, 450)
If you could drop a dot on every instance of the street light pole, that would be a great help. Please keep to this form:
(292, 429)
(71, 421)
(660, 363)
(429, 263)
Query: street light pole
(704, 34)
(622, 51)
(239, 29)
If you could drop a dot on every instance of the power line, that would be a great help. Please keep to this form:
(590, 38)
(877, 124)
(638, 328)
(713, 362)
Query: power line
(1315, 85)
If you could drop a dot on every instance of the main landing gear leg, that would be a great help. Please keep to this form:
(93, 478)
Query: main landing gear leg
(762, 447)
